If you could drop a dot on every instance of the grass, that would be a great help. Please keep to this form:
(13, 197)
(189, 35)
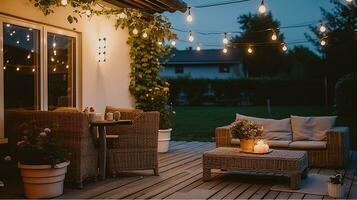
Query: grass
(197, 123)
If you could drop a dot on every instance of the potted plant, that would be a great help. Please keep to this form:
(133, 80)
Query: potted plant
(42, 162)
(335, 186)
(247, 132)
(166, 119)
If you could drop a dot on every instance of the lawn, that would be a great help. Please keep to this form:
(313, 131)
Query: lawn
(199, 122)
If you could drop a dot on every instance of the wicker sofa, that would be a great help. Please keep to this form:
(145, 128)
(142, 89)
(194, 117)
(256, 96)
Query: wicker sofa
(74, 134)
(333, 151)
(136, 145)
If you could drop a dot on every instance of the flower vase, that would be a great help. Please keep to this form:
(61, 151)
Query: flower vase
(247, 145)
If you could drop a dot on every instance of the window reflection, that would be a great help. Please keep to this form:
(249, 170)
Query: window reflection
(21, 67)
(61, 71)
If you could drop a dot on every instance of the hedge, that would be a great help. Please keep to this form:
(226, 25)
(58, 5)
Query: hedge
(252, 91)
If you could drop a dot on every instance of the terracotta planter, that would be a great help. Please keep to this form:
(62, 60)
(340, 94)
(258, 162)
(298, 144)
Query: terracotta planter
(335, 190)
(164, 140)
(43, 181)
(247, 145)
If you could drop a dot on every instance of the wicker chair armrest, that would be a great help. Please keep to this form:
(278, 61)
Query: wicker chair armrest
(338, 138)
(223, 136)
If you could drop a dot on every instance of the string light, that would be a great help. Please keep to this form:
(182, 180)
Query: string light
(225, 39)
(88, 12)
(29, 56)
(349, 1)
(274, 36)
(52, 59)
(322, 28)
(8, 25)
(11, 34)
(250, 50)
(54, 69)
(17, 42)
(32, 50)
(189, 17)
(55, 52)
(64, 2)
(67, 66)
(284, 48)
(122, 16)
(198, 48)
(145, 35)
(33, 70)
(4, 67)
(54, 44)
(159, 43)
(173, 42)
(225, 50)
(17, 68)
(135, 31)
(190, 37)
(262, 8)
(322, 42)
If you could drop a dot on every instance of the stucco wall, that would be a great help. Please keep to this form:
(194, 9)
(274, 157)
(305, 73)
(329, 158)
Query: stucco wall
(102, 83)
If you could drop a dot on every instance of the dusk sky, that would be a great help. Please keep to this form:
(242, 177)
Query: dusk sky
(224, 19)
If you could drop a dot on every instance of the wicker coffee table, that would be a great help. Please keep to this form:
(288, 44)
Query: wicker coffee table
(291, 163)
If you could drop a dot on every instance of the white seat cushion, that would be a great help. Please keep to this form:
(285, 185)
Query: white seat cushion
(308, 145)
(271, 143)
(311, 128)
(273, 129)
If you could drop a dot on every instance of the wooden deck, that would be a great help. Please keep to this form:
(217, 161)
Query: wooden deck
(181, 178)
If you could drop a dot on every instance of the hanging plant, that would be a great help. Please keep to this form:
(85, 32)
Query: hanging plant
(147, 36)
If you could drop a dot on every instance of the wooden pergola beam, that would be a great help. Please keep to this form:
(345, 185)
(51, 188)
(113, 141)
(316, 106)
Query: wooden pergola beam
(151, 6)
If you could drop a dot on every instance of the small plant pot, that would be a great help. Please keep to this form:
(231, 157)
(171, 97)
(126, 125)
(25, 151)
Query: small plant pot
(247, 145)
(335, 190)
(164, 140)
(43, 181)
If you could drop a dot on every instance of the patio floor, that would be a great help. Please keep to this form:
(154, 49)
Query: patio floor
(180, 177)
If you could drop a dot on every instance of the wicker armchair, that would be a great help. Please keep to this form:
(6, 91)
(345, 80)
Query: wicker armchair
(74, 134)
(336, 154)
(136, 145)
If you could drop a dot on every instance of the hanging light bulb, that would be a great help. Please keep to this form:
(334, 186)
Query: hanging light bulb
(173, 42)
(225, 50)
(262, 8)
(322, 42)
(67, 66)
(198, 48)
(52, 59)
(88, 12)
(8, 25)
(17, 68)
(349, 1)
(11, 34)
(189, 17)
(4, 67)
(55, 52)
(284, 47)
(54, 69)
(64, 2)
(145, 35)
(159, 43)
(190, 37)
(322, 28)
(274, 36)
(17, 42)
(135, 31)
(54, 44)
(33, 70)
(29, 56)
(225, 39)
(250, 50)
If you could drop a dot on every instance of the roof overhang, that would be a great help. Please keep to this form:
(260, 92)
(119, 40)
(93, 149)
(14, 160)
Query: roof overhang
(151, 6)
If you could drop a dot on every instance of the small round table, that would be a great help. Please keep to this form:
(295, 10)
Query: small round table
(103, 141)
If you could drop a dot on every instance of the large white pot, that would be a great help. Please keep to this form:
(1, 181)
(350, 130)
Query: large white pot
(164, 140)
(43, 181)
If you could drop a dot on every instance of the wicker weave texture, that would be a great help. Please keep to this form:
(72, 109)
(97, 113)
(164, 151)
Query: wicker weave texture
(136, 145)
(73, 133)
(336, 154)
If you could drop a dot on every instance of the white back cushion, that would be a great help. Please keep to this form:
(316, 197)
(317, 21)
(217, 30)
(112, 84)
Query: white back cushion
(273, 129)
(311, 128)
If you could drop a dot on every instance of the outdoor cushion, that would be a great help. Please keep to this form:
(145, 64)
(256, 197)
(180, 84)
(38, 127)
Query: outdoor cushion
(273, 129)
(66, 109)
(311, 128)
(308, 145)
(271, 143)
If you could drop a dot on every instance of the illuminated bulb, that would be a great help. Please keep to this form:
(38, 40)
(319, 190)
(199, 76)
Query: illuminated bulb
(54, 44)
(30, 29)
(54, 69)
(323, 42)
(262, 8)
(8, 25)
(4, 67)
(135, 31)
(32, 51)
(88, 12)
(145, 35)
(55, 52)
(322, 28)
(122, 16)
(189, 17)
(198, 48)
(225, 39)
(27, 35)
(7, 61)
(11, 34)
(274, 37)
(67, 66)
(225, 50)
(190, 37)
(52, 59)
(64, 2)
(250, 50)
(17, 42)
(349, 1)
(33, 70)
(284, 48)
(28, 56)
(159, 43)
(18, 69)
(28, 39)
(173, 42)
(62, 62)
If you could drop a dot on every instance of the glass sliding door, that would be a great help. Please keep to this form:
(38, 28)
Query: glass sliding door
(21, 67)
(61, 70)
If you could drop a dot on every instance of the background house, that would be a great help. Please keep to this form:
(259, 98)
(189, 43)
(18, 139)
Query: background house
(204, 64)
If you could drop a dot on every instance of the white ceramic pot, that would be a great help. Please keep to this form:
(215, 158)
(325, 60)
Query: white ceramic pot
(335, 190)
(164, 140)
(43, 181)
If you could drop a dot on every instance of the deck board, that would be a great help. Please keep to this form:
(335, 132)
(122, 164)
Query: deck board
(181, 178)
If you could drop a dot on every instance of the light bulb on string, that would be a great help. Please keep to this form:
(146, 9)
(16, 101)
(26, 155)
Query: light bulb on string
(284, 47)
(173, 42)
(17, 42)
(64, 2)
(262, 8)
(54, 69)
(190, 37)
(67, 66)
(225, 39)
(145, 35)
(323, 42)
(17, 68)
(198, 48)
(54, 44)
(322, 28)
(4, 67)
(29, 56)
(274, 36)
(159, 43)
(224, 50)
(88, 13)
(349, 1)
(189, 17)
(135, 31)
(33, 70)
(8, 25)
(250, 50)
(52, 59)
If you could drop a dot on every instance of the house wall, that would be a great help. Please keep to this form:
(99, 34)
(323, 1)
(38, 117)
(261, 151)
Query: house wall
(210, 71)
(104, 83)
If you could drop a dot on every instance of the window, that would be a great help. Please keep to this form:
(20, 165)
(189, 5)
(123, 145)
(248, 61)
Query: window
(224, 69)
(60, 71)
(21, 67)
(179, 70)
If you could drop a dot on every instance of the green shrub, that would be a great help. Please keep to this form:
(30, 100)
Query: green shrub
(346, 95)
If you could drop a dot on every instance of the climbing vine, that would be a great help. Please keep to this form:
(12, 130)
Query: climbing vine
(147, 37)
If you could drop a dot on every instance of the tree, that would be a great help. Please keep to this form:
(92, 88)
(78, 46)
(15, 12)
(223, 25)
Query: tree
(341, 39)
(267, 58)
